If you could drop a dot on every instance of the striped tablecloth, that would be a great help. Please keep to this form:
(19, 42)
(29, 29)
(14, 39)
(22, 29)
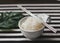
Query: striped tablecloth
(53, 10)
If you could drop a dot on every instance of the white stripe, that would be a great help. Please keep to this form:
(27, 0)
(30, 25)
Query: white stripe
(14, 39)
(46, 29)
(44, 10)
(51, 34)
(12, 11)
(40, 4)
(56, 21)
(55, 17)
(16, 30)
(54, 24)
(30, 4)
(31, 8)
(44, 13)
(11, 34)
(31, 11)
(26, 39)
(11, 29)
(42, 7)
(9, 8)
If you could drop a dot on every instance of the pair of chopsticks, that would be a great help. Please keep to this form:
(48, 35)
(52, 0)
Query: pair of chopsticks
(28, 12)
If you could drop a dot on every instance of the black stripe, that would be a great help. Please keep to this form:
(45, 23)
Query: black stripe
(55, 19)
(38, 6)
(40, 9)
(43, 12)
(12, 37)
(54, 27)
(53, 23)
(29, 6)
(27, 9)
(58, 31)
(49, 37)
(35, 12)
(30, 9)
(10, 31)
(48, 32)
(27, 1)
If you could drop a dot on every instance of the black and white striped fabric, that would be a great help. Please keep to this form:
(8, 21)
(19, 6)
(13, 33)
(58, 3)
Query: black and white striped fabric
(53, 10)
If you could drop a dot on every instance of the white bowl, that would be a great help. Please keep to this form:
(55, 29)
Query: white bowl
(31, 34)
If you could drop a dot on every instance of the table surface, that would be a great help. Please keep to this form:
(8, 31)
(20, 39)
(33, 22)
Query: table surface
(53, 10)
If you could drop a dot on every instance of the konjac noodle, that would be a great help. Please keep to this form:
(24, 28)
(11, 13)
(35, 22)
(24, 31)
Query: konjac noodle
(31, 24)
